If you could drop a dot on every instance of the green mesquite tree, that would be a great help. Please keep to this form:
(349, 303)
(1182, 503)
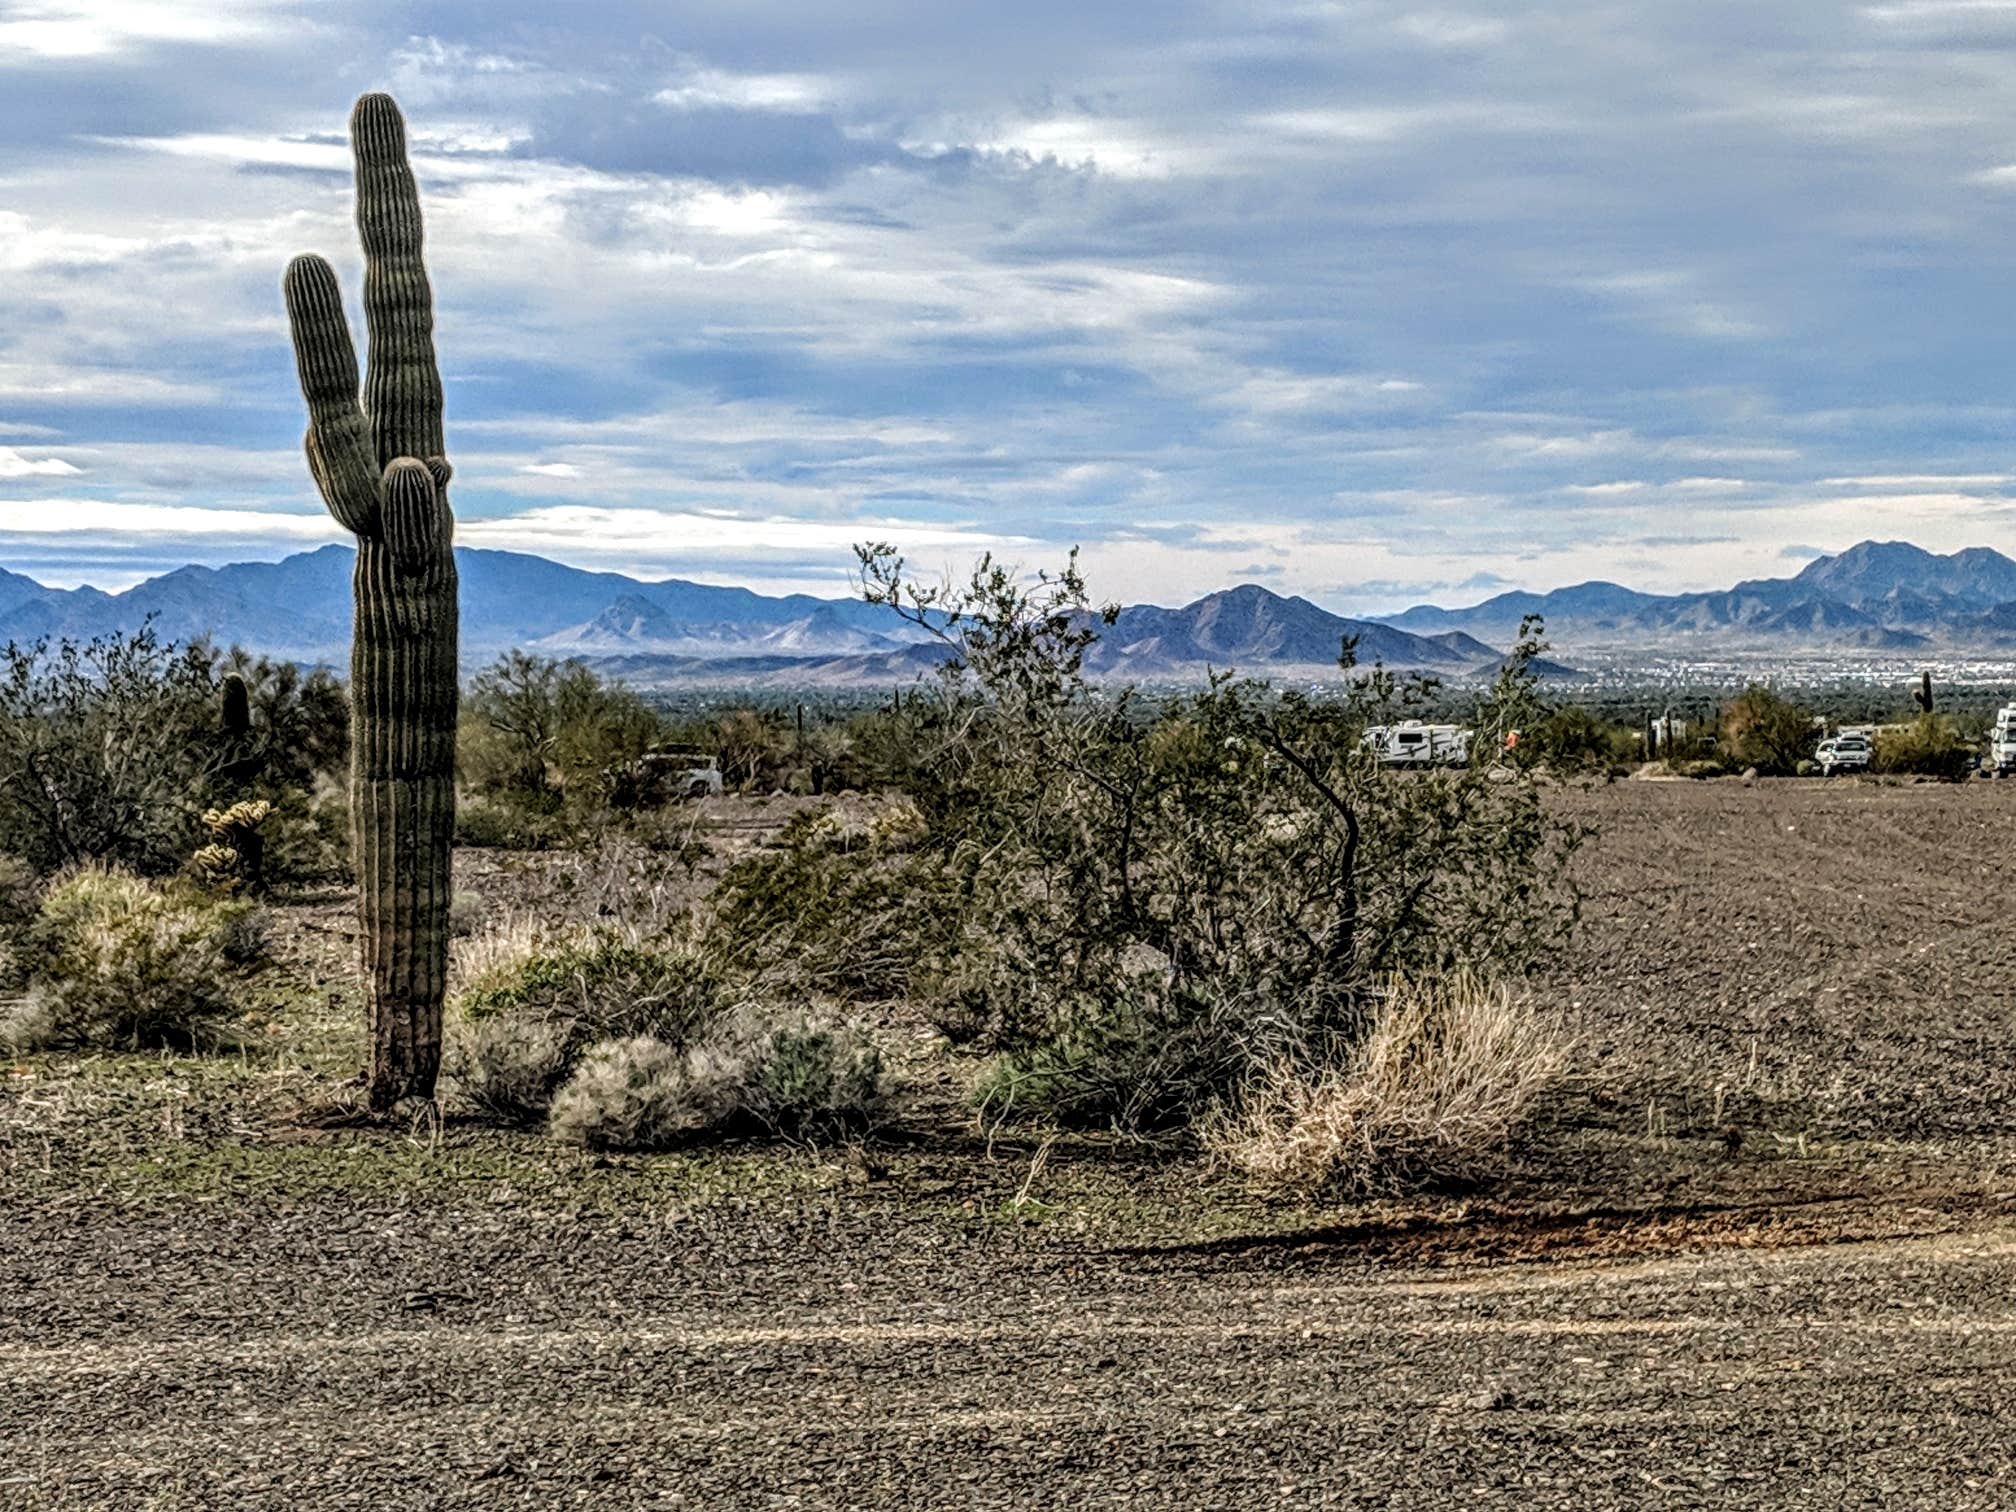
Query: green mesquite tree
(379, 463)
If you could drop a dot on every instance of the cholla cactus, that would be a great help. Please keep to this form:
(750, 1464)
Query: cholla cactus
(236, 854)
(215, 867)
(379, 463)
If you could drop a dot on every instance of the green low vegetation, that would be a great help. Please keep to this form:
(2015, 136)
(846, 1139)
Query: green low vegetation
(1205, 917)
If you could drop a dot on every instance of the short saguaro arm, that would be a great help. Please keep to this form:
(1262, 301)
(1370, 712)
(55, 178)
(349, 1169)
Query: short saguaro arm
(379, 461)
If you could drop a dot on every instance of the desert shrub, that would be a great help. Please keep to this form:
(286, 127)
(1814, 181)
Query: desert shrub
(1929, 746)
(1445, 1073)
(509, 1066)
(1126, 903)
(99, 745)
(756, 750)
(810, 1074)
(1573, 739)
(1766, 730)
(837, 907)
(113, 749)
(116, 961)
(547, 747)
(799, 1075)
(647, 1094)
(308, 832)
(531, 1006)
(607, 983)
(1137, 1062)
(488, 822)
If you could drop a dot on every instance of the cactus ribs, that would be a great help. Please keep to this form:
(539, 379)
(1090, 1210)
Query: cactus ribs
(379, 462)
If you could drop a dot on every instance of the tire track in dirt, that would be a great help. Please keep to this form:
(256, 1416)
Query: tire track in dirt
(1880, 1373)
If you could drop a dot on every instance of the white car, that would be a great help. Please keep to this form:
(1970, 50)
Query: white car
(1844, 753)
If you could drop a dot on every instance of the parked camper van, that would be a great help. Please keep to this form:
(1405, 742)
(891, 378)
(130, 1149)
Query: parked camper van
(1414, 744)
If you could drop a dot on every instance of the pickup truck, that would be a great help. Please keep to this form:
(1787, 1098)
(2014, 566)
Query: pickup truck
(1844, 753)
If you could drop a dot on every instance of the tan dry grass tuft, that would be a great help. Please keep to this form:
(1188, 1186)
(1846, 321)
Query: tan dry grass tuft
(1445, 1074)
(510, 941)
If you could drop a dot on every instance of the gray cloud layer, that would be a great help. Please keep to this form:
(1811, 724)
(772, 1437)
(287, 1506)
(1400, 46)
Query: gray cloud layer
(1371, 301)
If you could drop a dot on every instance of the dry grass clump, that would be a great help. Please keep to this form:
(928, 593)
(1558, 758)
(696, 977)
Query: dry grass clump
(498, 946)
(1446, 1072)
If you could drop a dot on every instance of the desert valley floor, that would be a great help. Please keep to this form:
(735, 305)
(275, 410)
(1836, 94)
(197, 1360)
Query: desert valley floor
(1759, 1250)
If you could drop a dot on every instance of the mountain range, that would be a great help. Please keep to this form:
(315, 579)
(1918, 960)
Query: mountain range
(1876, 596)
(1884, 596)
(677, 632)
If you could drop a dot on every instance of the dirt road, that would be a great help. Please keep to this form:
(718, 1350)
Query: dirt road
(354, 1359)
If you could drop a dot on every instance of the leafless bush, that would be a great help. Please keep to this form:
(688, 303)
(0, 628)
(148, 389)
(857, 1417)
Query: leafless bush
(1446, 1071)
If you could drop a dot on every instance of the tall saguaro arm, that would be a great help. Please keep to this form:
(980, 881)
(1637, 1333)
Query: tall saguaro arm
(378, 460)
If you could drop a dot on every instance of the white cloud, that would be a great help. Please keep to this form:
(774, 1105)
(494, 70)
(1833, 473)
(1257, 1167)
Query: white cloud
(574, 531)
(1452, 29)
(45, 382)
(104, 517)
(1109, 145)
(696, 86)
(14, 465)
(97, 28)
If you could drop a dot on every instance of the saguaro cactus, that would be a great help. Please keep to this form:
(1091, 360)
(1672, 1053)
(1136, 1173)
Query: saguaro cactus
(380, 467)
(240, 755)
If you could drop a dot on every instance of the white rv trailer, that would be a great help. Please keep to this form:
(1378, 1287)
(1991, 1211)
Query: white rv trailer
(2001, 758)
(1414, 744)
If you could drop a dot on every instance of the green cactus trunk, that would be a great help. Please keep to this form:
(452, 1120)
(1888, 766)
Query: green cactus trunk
(402, 800)
(381, 471)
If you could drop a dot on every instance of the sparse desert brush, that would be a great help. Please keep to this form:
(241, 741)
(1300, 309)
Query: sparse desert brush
(607, 980)
(810, 1074)
(1929, 746)
(1131, 901)
(533, 999)
(841, 908)
(116, 961)
(506, 942)
(1445, 1073)
(787, 1073)
(509, 1067)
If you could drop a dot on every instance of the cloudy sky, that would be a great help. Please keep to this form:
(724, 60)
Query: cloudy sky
(1373, 302)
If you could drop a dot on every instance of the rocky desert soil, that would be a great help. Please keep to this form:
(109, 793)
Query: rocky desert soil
(1760, 1250)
